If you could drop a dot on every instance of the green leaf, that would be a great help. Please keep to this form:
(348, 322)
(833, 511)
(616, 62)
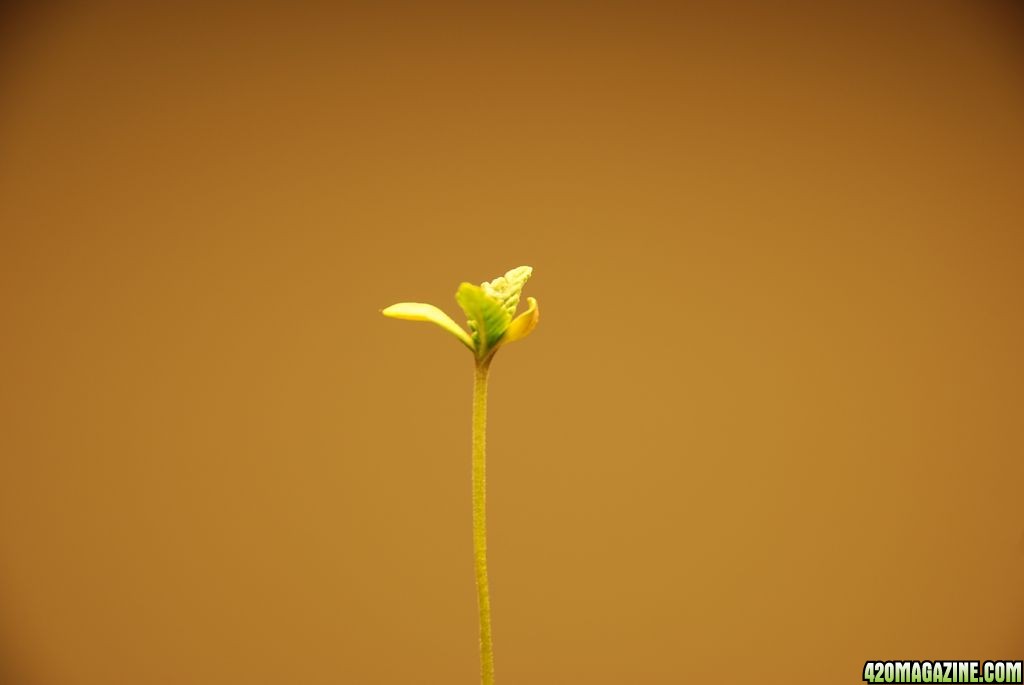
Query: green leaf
(486, 316)
(523, 324)
(507, 289)
(417, 311)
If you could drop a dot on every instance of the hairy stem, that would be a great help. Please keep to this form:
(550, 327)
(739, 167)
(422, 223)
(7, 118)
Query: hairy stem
(483, 592)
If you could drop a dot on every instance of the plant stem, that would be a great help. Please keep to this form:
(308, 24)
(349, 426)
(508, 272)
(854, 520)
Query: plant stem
(480, 519)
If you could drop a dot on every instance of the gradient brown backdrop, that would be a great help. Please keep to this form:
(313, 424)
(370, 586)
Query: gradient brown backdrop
(772, 418)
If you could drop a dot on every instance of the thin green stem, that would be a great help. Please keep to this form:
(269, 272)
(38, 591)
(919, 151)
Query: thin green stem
(483, 592)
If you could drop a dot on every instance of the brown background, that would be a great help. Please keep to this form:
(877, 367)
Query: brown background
(772, 419)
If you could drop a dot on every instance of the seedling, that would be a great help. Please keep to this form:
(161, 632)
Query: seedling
(490, 310)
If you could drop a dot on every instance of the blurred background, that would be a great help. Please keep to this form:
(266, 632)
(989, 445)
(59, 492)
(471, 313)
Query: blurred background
(772, 420)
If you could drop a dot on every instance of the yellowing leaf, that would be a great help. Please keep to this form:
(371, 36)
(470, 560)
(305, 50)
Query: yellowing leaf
(523, 324)
(490, 312)
(417, 311)
(487, 318)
